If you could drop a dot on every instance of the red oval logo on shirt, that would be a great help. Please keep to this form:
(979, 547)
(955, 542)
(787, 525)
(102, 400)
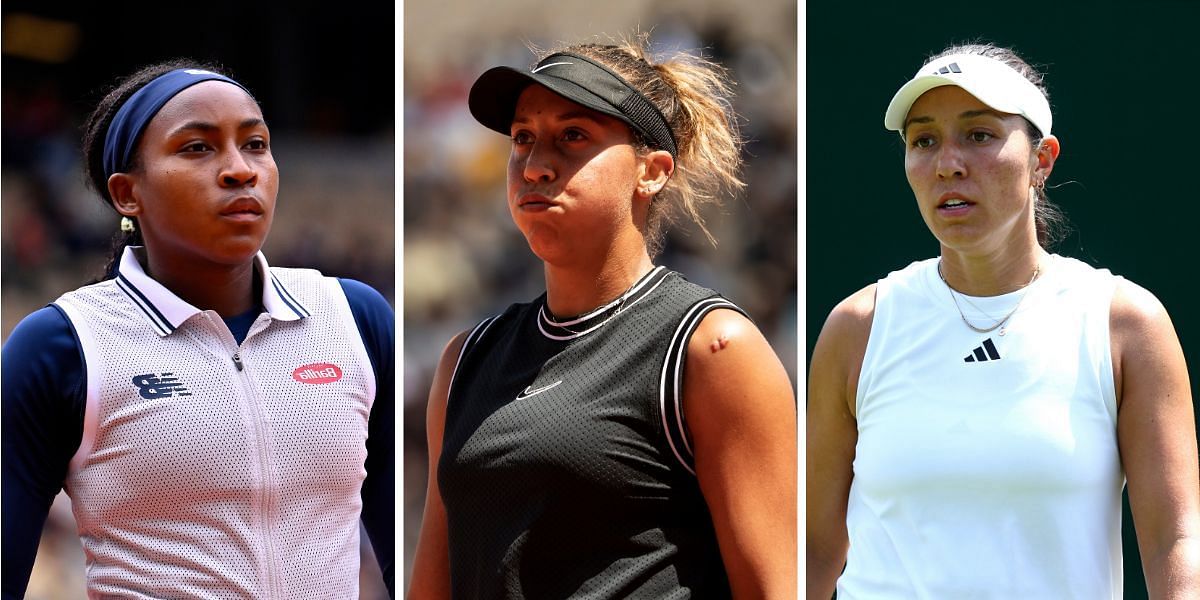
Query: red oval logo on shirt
(317, 373)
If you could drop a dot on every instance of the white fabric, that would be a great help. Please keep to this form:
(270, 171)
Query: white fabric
(199, 480)
(991, 81)
(996, 478)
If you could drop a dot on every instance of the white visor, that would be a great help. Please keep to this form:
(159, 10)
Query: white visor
(991, 81)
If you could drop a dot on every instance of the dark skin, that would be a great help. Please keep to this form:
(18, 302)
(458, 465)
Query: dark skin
(203, 192)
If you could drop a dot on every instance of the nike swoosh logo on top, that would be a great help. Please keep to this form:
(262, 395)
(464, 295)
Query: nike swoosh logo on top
(550, 65)
(531, 392)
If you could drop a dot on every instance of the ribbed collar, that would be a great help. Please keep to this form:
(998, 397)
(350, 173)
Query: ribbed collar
(574, 327)
(165, 311)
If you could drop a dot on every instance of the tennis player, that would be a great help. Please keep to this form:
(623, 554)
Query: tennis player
(974, 417)
(628, 434)
(219, 424)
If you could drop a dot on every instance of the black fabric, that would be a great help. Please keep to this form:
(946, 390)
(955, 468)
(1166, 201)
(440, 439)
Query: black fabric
(493, 97)
(556, 476)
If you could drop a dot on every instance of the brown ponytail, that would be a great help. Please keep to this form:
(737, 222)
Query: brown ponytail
(694, 94)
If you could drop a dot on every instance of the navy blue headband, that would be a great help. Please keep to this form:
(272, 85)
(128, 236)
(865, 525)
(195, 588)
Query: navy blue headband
(126, 128)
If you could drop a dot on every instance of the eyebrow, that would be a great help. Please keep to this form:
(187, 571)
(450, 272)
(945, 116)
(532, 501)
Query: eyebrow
(206, 126)
(966, 114)
(569, 116)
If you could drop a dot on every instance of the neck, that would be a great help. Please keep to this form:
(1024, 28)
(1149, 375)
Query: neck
(229, 290)
(991, 275)
(573, 291)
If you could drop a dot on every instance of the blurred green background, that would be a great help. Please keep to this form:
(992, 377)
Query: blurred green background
(1122, 80)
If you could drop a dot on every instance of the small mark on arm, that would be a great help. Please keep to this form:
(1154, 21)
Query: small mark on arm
(719, 343)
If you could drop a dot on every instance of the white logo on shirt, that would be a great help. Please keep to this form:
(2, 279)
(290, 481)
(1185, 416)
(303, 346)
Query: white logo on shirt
(531, 392)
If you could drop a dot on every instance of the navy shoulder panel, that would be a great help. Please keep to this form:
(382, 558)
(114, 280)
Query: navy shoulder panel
(44, 395)
(377, 325)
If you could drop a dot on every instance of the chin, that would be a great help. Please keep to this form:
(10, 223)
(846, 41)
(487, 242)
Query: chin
(547, 253)
(238, 251)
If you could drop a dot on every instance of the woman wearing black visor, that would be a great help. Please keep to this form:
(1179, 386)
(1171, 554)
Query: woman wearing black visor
(628, 433)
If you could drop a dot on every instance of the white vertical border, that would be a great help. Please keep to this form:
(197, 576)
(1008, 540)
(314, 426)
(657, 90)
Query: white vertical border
(801, 326)
(398, 295)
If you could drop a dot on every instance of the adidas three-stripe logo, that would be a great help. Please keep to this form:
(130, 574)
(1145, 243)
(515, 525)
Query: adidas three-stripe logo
(983, 353)
(950, 68)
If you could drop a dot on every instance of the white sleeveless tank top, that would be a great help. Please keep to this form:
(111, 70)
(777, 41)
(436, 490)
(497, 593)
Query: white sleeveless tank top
(987, 464)
(202, 475)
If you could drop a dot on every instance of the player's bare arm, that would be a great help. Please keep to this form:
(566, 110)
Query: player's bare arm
(739, 405)
(831, 435)
(431, 565)
(1157, 437)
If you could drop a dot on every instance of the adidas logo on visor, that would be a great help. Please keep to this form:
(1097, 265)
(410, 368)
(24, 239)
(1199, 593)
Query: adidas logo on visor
(950, 68)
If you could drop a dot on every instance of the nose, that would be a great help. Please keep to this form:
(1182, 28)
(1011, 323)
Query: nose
(539, 163)
(950, 163)
(238, 171)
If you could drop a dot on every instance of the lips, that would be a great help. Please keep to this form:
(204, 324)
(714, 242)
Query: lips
(954, 204)
(243, 207)
(534, 202)
(952, 200)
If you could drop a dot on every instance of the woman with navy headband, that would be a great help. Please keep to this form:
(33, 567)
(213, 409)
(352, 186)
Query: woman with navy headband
(627, 434)
(974, 417)
(219, 424)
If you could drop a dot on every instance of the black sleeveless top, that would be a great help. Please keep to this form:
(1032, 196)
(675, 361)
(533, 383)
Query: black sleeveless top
(565, 468)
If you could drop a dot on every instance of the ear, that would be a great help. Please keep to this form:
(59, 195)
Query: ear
(653, 172)
(120, 189)
(1046, 154)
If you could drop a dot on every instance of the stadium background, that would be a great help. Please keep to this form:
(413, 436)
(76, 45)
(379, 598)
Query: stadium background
(1122, 81)
(465, 260)
(326, 81)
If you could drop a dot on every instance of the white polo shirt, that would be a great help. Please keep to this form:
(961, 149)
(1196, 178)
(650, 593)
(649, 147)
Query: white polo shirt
(210, 469)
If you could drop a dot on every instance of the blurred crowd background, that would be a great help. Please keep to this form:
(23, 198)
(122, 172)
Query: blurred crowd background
(326, 82)
(464, 260)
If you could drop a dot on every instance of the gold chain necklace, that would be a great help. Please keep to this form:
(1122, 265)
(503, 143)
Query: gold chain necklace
(620, 307)
(1001, 324)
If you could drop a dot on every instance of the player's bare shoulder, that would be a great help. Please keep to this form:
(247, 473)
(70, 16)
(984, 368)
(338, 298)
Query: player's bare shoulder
(1135, 309)
(854, 313)
(849, 324)
(1140, 330)
(838, 355)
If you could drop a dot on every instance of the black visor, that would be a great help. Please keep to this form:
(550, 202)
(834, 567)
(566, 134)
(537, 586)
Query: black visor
(493, 98)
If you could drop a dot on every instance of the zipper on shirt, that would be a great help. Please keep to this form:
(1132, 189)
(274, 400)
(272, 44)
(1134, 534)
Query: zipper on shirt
(265, 470)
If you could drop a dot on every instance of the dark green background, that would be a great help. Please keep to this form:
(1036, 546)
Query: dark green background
(1124, 83)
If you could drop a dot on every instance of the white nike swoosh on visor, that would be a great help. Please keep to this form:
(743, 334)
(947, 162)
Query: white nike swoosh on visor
(530, 392)
(550, 65)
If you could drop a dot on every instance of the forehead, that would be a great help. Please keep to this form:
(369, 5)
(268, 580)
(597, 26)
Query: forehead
(945, 101)
(538, 101)
(212, 102)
